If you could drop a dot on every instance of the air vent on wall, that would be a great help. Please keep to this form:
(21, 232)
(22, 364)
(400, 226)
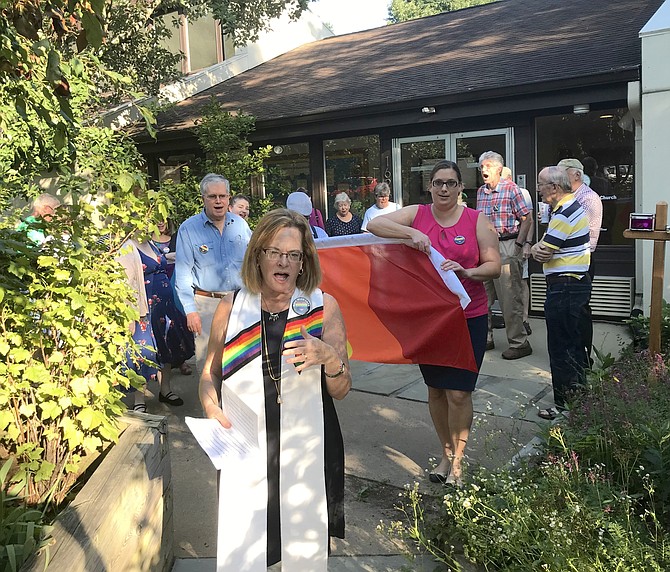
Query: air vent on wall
(611, 296)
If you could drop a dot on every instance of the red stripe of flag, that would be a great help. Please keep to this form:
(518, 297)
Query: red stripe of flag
(396, 307)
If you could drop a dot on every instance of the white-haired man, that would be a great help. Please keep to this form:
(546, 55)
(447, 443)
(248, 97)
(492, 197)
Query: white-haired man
(209, 254)
(565, 255)
(502, 201)
(593, 209)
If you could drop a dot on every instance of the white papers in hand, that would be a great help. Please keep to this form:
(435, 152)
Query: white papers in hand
(222, 444)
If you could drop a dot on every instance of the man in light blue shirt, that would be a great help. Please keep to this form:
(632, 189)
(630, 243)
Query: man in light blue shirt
(209, 254)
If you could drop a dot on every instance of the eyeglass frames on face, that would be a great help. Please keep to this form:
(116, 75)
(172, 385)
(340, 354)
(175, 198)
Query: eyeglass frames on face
(274, 254)
(216, 197)
(540, 184)
(439, 183)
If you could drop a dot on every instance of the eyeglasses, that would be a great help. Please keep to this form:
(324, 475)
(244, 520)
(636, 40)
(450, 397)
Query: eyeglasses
(451, 183)
(216, 197)
(382, 196)
(539, 184)
(274, 254)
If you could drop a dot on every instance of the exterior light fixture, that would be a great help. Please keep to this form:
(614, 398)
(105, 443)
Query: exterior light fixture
(581, 108)
(428, 110)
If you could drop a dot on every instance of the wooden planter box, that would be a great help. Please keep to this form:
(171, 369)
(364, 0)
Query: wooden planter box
(121, 520)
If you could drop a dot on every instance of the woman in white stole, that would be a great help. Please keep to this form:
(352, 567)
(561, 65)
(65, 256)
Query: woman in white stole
(279, 344)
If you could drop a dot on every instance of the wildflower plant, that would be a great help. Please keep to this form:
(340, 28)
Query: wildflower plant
(598, 499)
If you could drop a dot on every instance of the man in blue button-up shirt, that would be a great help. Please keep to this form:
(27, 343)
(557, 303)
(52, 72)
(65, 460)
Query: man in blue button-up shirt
(209, 254)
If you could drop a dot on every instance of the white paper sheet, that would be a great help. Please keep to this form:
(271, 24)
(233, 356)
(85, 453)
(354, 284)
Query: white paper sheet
(221, 444)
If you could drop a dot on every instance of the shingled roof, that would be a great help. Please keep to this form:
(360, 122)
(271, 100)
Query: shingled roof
(508, 47)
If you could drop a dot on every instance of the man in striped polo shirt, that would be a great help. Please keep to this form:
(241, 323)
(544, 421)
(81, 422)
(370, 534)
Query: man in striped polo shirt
(565, 254)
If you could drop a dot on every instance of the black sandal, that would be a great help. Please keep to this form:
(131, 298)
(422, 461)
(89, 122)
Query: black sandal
(170, 399)
(549, 414)
(140, 407)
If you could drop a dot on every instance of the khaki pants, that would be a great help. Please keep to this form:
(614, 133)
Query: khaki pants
(206, 307)
(509, 289)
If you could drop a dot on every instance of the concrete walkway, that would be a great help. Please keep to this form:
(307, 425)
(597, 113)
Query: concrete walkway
(389, 441)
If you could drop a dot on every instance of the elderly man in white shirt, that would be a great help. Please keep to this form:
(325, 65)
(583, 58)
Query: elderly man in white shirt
(593, 208)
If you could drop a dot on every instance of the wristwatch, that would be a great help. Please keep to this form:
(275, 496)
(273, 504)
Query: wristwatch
(339, 371)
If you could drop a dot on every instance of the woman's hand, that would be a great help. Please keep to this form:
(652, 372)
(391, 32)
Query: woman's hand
(213, 411)
(309, 351)
(419, 241)
(455, 266)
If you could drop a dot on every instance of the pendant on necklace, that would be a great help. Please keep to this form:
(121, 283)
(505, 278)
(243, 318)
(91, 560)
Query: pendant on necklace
(273, 317)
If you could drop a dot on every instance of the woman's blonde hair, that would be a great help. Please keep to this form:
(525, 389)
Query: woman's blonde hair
(266, 229)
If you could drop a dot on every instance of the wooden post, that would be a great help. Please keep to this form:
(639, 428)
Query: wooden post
(660, 236)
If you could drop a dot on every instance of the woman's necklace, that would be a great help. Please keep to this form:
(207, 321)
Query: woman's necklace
(276, 379)
(273, 317)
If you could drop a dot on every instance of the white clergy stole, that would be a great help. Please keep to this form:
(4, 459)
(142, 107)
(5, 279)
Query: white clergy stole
(243, 490)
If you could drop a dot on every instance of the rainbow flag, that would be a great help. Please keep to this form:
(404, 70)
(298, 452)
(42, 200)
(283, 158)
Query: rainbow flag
(398, 305)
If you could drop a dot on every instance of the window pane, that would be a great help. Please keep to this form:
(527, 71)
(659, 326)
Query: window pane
(286, 169)
(468, 151)
(352, 166)
(417, 159)
(607, 137)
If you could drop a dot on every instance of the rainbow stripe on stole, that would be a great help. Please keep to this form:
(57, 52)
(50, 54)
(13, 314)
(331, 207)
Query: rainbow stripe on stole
(246, 346)
(242, 349)
(313, 323)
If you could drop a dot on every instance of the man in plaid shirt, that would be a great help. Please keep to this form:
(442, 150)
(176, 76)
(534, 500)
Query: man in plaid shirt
(502, 201)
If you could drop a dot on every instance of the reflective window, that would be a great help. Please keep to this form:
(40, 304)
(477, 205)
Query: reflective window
(287, 169)
(352, 166)
(604, 142)
(417, 159)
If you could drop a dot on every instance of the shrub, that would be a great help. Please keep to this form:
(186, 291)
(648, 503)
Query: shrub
(597, 500)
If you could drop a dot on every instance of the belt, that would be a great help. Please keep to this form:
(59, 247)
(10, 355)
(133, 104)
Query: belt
(503, 237)
(210, 294)
(563, 279)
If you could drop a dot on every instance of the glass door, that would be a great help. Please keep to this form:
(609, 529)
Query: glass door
(469, 146)
(414, 157)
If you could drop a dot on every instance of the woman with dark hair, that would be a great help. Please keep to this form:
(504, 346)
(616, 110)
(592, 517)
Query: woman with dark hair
(279, 345)
(467, 240)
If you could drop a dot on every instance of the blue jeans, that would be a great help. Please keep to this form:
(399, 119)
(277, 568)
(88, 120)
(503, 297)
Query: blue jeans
(566, 311)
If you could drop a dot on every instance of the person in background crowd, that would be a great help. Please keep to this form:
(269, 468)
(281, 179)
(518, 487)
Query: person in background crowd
(315, 217)
(383, 204)
(469, 243)
(343, 221)
(210, 251)
(507, 175)
(300, 202)
(590, 201)
(502, 202)
(43, 208)
(565, 254)
(141, 362)
(174, 343)
(602, 185)
(164, 241)
(239, 205)
(283, 346)
(593, 209)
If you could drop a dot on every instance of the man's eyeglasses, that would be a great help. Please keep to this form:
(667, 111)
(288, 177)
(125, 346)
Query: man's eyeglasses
(382, 196)
(539, 184)
(439, 183)
(274, 254)
(216, 197)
